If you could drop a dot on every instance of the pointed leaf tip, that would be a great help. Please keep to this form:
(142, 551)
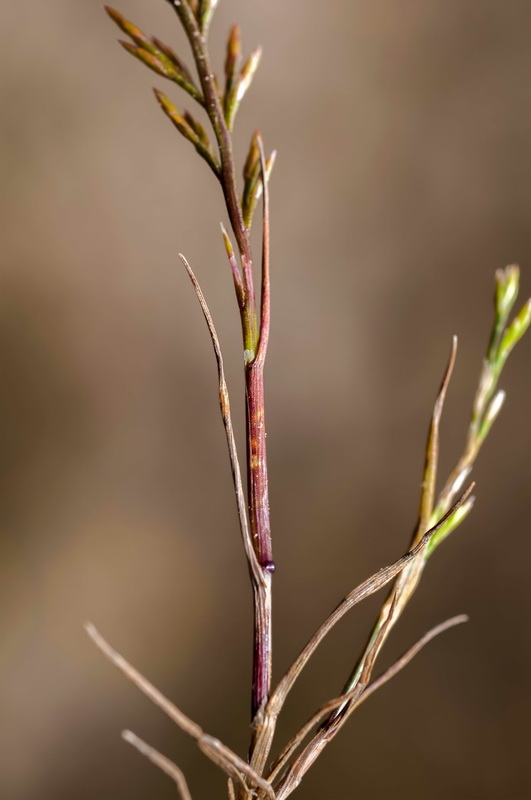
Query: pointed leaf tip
(453, 522)
(515, 331)
(204, 11)
(158, 63)
(233, 48)
(253, 157)
(247, 73)
(131, 30)
(496, 405)
(161, 97)
(112, 13)
(189, 128)
(228, 244)
(507, 284)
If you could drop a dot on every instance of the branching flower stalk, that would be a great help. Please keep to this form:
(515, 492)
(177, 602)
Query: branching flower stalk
(221, 112)
(438, 515)
(255, 335)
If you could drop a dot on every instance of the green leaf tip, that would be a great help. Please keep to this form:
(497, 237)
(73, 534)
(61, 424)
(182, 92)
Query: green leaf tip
(253, 157)
(197, 128)
(155, 55)
(453, 522)
(158, 63)
(247, 74)
(515, 331)
(236, 85)
(204, 13)
(227, 242)
(232, 65)
(253, 179)
(504, 335)
(174, 115)
(494, 408)
(234, 48)
(171, 111)
(236, 274)
(190, 128)
(507, 284)
(138, 36)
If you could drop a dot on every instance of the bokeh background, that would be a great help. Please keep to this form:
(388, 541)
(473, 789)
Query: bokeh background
(403, 181)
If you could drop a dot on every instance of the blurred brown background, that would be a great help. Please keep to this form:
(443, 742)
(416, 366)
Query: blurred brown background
(403, 181)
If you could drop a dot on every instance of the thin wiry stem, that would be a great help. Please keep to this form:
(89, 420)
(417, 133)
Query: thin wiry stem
(258, 479)
(164, 763)
(236, 274)
(265, 306)
(405, 585)
(485, 411)
(505, 296)
(432, 449)
(404, 660)
(224, 402)
(245, 792)
(310, 754)
(216, 751)
(408, 580)
(278, 697)
(327, 708)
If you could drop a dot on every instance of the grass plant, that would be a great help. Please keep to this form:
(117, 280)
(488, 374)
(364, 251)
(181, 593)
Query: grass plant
(439, 514)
